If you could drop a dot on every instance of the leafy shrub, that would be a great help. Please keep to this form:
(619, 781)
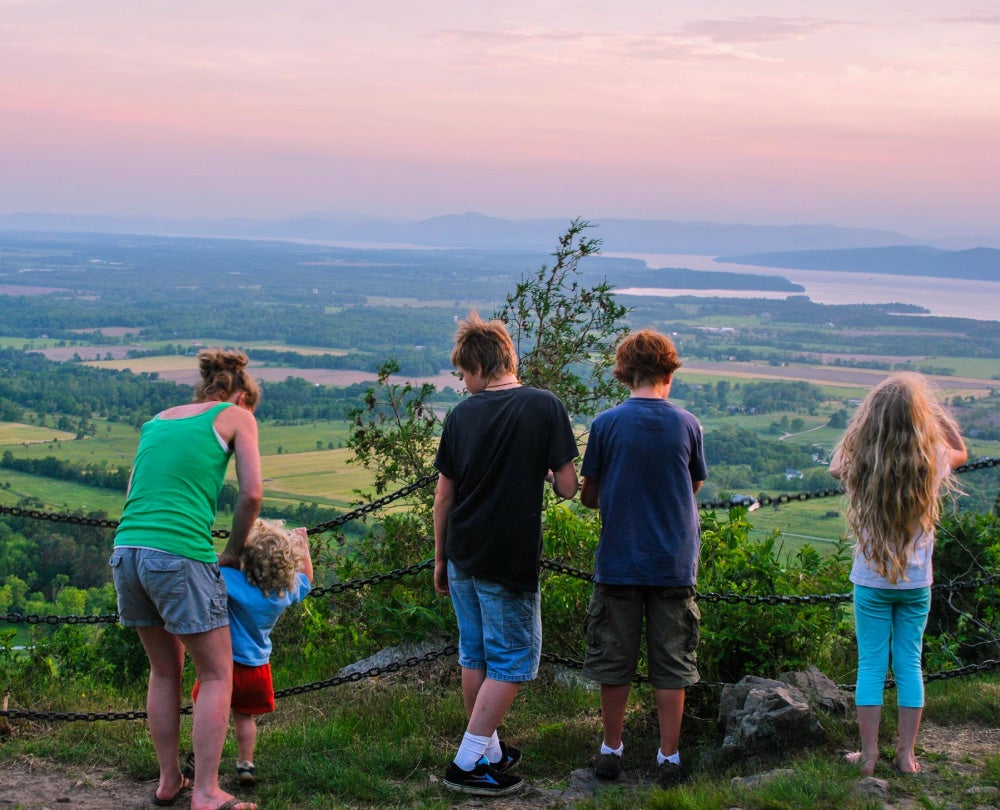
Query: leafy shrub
(570, 538)
(963, 622)
(766, 638)
(396, 610)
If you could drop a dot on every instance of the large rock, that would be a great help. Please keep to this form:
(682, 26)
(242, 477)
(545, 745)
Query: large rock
(760, 715)
(822, 693)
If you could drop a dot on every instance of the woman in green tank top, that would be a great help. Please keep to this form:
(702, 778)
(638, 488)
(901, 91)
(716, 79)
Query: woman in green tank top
(166, 569)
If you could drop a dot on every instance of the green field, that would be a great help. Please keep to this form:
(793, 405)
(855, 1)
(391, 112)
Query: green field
(324, 476)
(59, 496)
(300, 463)
(818, 522)
(113, 443)
(18, 433)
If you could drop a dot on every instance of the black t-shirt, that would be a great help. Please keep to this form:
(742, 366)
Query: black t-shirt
(497, 447)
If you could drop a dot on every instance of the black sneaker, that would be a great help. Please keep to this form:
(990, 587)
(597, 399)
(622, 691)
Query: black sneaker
(483, 780)
(608, 766)
(509, 757)
(669, 774)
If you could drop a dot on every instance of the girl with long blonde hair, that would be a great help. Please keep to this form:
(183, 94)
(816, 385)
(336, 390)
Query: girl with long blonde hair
(895, 460)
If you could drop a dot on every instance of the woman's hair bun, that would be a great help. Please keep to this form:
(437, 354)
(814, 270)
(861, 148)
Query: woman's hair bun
(211, 361)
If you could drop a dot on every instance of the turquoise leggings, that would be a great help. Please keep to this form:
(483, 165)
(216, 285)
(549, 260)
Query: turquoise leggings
(890, 620)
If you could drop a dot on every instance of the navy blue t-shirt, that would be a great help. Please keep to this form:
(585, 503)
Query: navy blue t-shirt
(644, 455)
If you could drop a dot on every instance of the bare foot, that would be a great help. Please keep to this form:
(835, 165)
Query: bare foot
(857, 758)
(907, 765)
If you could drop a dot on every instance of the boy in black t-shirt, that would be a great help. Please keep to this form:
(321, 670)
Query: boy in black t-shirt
(498, 448)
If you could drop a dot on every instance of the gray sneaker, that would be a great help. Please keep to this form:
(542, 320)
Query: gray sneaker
(607, 766)
(669, 774)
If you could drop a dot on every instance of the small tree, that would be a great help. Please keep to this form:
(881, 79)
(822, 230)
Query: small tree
(565, 333)
(395, 435)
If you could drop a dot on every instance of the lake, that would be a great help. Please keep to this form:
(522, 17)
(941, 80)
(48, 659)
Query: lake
(946, 297)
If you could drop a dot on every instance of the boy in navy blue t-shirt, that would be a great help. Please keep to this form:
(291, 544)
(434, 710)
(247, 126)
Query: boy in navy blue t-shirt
(643, 464)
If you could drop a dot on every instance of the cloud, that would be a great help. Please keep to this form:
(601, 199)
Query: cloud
(581, 46)
(974, 19)
(747, 30)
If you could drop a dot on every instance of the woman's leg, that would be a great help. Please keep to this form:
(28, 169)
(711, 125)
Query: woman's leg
(212, 654)
(163, 704)
(909, 623)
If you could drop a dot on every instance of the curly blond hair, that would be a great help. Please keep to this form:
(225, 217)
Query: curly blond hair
(270, 557)
(894, 470)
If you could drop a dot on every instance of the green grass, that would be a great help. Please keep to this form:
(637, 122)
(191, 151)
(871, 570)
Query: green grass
(385, 742)
(303, 437)
(26, 344)
(980, 368)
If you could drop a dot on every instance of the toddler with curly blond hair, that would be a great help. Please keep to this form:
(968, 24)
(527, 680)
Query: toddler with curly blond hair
(275, 572)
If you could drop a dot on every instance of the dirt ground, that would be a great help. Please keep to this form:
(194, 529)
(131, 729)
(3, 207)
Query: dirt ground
(32, 784)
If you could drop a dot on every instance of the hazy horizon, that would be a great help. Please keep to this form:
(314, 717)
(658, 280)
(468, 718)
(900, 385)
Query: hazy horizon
(857, 115)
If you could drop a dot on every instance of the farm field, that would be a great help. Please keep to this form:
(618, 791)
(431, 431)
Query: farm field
(839, 376)
(58, 496)
(325, 477)
(17, 433)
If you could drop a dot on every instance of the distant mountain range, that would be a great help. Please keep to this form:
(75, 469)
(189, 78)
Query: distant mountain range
(979, 264)
(805, 247)
(477, 231)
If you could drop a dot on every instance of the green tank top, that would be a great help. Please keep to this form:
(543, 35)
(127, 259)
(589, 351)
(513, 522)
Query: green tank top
(177, 475)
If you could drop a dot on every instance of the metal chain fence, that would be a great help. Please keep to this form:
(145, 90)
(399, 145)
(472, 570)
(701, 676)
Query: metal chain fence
(400, 573)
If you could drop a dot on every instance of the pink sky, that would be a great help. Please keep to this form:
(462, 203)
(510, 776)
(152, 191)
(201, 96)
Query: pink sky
(883, 114)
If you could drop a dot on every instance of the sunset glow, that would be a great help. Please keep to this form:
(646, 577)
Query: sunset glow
(882, 115)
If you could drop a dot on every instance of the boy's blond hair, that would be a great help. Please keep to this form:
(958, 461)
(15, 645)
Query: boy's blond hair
(271, 557)
(484, 346)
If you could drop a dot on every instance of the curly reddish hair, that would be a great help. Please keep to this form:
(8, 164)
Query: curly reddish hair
(645, 358)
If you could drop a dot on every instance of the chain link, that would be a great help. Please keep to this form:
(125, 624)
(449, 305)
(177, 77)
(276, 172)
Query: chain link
(375, 579)
(551, 565)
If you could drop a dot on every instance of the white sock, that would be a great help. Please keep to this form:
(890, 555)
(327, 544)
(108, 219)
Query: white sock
(493, 750)
(606, 749)
(471, 751)
(674, 757)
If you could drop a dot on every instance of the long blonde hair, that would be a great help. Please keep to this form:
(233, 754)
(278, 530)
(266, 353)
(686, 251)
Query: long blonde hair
(270, 559)
(894, 469)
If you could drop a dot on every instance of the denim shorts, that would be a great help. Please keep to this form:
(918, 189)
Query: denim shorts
(159, 589)
(613, 632)
(499, 629)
